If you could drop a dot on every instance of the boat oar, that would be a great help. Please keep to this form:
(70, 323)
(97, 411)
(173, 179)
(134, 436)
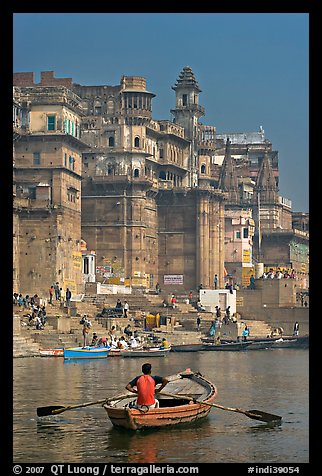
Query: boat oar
(254, 414)
(56, 409)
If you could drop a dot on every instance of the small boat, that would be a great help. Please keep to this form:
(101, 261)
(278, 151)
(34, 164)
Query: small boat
(186, 347)
(146, 352)
(51, 352)
(228, 346)
(87, 352)
(172, 411)
(293, 343)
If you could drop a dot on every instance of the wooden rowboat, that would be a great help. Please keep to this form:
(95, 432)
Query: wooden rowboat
(187, 347)
(172, 411)
(148, 352)
(51, 352)
(86, 352)
(242, 345)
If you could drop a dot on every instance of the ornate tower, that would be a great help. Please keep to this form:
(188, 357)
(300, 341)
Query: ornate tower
(187, 114)
(228, 178)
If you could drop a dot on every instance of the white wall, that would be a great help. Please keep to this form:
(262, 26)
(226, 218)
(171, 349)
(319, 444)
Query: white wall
(210, 298)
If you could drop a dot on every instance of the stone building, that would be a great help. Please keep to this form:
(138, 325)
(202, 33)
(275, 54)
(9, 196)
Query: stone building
(154, 200)
(47, 185)
(148, 205)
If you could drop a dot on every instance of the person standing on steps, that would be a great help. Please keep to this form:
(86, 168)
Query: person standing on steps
(68, 297)
(85, 334)
(51, 293)
(126, 308)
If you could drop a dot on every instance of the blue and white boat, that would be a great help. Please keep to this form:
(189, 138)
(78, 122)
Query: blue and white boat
(86, 352)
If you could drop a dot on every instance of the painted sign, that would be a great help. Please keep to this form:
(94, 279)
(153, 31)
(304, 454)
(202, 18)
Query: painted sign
(246, 274)
(77, 259)
(173, 279)
(246, 256)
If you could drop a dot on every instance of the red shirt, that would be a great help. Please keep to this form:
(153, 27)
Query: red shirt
(146, 386)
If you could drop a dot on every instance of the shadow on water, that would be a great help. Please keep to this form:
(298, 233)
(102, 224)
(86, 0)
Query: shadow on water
(265, 427)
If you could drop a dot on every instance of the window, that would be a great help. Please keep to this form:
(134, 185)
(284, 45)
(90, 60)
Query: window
(51, 123)
(184, 99)
(238, 235)
(245, 232)
(203, 169)
(111, 141)
(137, 142)
(161, 153)
(36, 158)
(71, 162)
(136, 172)
(65, 160)
(32, 192)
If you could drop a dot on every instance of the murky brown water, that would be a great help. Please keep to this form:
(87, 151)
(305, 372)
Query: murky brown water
(275, 381)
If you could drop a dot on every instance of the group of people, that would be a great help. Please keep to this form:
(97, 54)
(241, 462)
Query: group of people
(36, 311)
(124, 307)
(278, 274)
(172, 304)
(56, 290)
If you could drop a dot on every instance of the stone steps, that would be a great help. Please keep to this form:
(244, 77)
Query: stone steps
(24, 347)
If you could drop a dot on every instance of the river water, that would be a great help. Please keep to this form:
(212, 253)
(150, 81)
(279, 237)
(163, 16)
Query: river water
(275, 381)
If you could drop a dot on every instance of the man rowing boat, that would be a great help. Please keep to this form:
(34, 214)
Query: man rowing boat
(146, 387)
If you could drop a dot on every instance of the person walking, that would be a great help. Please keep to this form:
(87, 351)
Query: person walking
(198, 323)
(146, 388)
(216, 281)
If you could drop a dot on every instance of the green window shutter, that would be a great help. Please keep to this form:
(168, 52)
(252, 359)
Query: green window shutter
(51, 123)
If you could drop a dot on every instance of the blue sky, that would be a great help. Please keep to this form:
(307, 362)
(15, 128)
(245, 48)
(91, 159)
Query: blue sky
(252, 68)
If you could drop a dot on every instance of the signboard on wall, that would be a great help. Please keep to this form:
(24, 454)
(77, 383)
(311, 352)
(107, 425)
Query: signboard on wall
(71, 285)
(77, 259)
(246, 256)
(246, 274)
(173, 279)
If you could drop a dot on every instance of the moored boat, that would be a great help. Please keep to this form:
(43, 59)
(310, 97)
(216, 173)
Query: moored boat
(229, 346)
(172, 411)
(51, 352)
(301, 342)
(147, 352)
(86, 352)
(187, 347)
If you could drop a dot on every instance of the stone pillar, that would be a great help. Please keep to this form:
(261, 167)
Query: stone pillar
(203, 242)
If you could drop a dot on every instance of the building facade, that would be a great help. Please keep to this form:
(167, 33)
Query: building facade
(47, 187)
(156, 201)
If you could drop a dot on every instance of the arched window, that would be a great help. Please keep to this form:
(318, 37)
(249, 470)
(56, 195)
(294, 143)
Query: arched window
(203, 169)
(137, 142)
(136, 173)
(111, 141)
